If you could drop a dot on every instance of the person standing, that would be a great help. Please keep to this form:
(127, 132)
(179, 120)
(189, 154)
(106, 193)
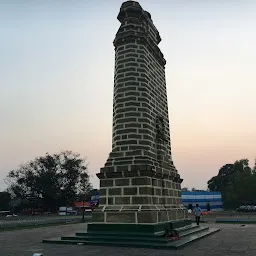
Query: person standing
(197, 212)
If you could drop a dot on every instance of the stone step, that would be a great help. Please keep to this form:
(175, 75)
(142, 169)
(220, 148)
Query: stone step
(59, 241)
(141, 234)
(109, 237)
(114, 234)
(133, 244)
(193, 231)
(193, 225)
(81, 234)
(193, 237)
(105, 237)
(138, 242)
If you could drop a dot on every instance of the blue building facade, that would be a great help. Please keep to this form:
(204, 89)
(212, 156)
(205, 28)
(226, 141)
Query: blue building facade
(95, 198)
(208, 201)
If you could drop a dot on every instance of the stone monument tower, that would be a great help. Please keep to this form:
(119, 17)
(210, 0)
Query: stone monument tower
(139, 183)
(140, 193)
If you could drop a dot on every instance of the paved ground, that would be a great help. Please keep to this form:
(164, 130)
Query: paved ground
(231, 240)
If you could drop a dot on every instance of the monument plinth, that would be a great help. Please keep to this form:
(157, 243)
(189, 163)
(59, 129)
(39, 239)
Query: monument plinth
(140, 188)
(139, 183)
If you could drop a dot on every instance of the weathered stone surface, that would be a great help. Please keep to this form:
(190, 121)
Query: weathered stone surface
(121, 217)
(98, 217)
(146, 191)
(103, 192)
(162, 216)
(147, 217)
(122, 182)
(114, 191)
(142, 200)
(122, 200)
(103, 200)
(130, 191)
(106, 183)
(110, 200)
(141, 181)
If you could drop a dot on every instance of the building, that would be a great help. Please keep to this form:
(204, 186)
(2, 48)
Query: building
(95, 198)
(208, 201)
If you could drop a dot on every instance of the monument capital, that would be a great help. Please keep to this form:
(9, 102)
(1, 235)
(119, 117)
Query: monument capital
(136, 24)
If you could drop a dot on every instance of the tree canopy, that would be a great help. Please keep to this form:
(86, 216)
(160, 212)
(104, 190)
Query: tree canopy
(5, 199)
(57, 179)
(236, 182)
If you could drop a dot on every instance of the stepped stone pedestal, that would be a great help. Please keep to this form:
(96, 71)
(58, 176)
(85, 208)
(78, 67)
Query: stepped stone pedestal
(140, 188)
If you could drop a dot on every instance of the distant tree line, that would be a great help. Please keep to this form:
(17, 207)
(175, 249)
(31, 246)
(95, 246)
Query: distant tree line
(236, 182)
(49, 181)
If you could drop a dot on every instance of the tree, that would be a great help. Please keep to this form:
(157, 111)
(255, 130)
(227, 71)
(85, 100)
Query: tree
(85, 188)
(236, 182)
(242, 166)
(185, 189)
(5, 199)
(254, 167)
(56, 179)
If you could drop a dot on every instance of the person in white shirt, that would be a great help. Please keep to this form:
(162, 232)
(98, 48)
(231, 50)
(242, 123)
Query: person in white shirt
(197, 211)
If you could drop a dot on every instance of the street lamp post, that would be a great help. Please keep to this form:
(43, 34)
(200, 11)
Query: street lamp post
(83, 210)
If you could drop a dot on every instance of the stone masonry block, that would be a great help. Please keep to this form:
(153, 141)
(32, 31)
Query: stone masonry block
(162, 216)
(141, 200)
(106, 183)
(122, 182)
(147, 217)
(114, 191)
(122, 168)
(146, 191)
(141, 181)
(155, 200)
(103, 200)
(98, 217)
(122, 200)
(110, 200)
(103, 192)
(158, 191)
(121, 217)
(130, 191)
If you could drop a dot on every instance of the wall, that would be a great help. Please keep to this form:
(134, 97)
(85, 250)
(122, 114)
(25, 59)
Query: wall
(203, 198)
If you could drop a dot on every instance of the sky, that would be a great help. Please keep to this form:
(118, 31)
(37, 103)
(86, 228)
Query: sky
(57, 69)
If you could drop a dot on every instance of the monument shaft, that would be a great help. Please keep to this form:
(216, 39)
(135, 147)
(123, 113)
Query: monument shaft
(139, 183)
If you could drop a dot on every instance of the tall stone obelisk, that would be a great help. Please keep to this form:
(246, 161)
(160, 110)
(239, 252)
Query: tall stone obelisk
(140, 193)
(139, 183)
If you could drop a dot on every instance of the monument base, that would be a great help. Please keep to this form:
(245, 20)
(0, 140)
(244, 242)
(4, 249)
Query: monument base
(155, 229)
(138, 214)
(166, 235)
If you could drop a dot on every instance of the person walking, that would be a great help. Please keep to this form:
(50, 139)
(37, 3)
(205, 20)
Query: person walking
(198, 213)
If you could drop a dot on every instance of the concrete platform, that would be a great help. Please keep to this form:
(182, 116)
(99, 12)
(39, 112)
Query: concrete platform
(235, 240)
(187, 234)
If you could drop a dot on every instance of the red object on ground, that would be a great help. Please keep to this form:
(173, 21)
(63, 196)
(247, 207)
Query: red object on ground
(82, 204)
(206, 213)
(173, 238)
